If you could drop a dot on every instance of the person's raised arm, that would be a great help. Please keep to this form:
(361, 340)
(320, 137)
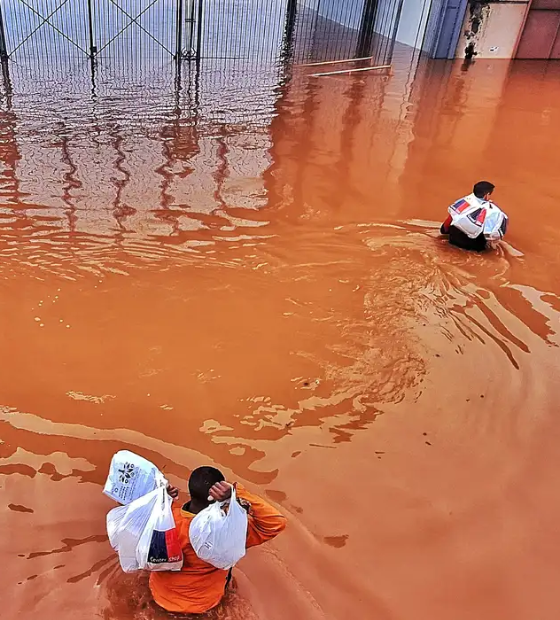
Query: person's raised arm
(265, 520)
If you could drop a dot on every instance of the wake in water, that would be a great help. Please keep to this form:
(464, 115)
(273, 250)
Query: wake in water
(128, 597)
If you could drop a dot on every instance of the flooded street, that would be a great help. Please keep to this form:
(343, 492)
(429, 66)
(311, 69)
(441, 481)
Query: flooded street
(248, 273)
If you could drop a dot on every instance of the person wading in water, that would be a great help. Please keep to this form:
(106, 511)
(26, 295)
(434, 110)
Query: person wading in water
(199, 586)
(474, 222)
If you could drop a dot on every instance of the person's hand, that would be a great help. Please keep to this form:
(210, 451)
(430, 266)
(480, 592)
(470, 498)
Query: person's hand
(172, 491)
(220, 492)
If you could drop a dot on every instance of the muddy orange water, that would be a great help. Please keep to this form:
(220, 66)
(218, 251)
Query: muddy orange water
(259, 284)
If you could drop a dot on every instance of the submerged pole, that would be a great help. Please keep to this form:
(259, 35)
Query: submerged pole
(4, 61)
(179, 47)
(367, 26)
(3, 46)
(288, 42)
(199, 32)
(191, 21)
(92, 48)
(391, 51)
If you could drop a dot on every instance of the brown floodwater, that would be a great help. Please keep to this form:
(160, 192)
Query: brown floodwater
(260, 285)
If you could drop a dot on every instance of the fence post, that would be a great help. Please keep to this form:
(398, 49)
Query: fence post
(179, 30)
(3, 46)
(291, 10)
(288, 42)
(191, 20)
(199, 32)
(367, 26)
(92, 48)
(4, 61)
(389, 58)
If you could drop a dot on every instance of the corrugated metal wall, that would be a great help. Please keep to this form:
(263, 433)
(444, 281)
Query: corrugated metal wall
(541, 35)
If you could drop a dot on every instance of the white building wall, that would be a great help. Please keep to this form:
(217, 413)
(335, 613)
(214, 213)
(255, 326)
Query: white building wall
(414, 18)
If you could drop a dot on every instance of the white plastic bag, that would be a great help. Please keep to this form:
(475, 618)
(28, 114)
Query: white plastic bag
(144, 535)
(131, 477)
(473, 216)
(495, 225)
(125, 526)
(219, 537)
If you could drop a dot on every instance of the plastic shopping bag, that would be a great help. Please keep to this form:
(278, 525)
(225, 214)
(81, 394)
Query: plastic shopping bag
(219, 537)
(159, 548)
(144, 535)
(495, 225)
(131, 477)
(473, 216)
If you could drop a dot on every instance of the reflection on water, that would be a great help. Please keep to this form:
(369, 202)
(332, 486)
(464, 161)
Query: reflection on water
(256, 281)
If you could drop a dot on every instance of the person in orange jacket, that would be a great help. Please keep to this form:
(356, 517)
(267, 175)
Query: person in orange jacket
(199, 586)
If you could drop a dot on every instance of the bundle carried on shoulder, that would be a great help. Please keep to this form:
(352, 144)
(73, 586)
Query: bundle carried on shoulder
(142, 531)
(473, 216)
(131, 476)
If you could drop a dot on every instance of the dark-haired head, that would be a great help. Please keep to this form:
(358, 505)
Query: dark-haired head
(201, 481)
(483, 189)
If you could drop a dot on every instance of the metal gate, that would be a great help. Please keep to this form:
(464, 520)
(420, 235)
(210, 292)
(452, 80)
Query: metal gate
(30, 30)
(148, 25)
(190, 29)
(253, 30)
(89, 27)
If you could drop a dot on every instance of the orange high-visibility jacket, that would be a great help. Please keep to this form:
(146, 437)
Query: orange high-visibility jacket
(199, 586)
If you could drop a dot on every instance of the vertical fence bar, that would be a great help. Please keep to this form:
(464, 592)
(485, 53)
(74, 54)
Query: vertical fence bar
(92, 48)
(288, 42)
(389, 59)
(3, 46)
(367, 25)
(391, 48)
(199, 32)
(191, 29)
(179, 33)
(4, 62)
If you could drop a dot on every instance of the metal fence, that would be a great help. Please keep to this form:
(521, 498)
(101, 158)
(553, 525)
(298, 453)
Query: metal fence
(90, 28)
(250, 30)
(143, 61)
(91, 89)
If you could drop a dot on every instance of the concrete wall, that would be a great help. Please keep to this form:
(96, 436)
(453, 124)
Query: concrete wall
(497, 32)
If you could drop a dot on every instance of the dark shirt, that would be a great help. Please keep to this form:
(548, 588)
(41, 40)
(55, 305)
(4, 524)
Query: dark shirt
(458, 238)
